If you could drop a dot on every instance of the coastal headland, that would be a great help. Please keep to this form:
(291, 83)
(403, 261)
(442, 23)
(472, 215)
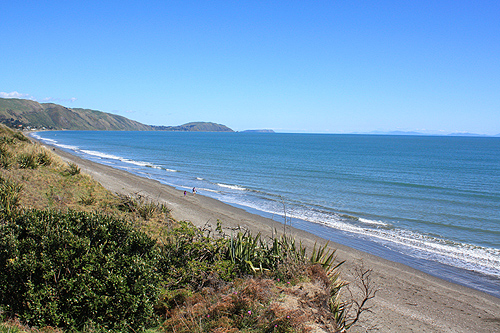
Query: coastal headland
(407, 300)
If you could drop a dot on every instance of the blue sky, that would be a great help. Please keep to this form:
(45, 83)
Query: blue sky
(291, 66)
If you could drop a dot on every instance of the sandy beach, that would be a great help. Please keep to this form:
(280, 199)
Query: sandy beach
(407, 299)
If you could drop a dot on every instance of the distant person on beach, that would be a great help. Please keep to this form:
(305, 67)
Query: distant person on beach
(185, 192)
(194, 190)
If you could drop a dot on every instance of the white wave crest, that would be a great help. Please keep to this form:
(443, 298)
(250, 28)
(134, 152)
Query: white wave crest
(48, 141)
(119, 158)
(462, 255)
(139, 163)
(466, 256)
(232, 187)
(207, 190)
(60, 145)
(374, 222)
(54, 142)
(101, 155)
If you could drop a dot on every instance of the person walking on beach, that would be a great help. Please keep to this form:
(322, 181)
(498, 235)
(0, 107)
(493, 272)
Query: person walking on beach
(185, 192)
(194, 190)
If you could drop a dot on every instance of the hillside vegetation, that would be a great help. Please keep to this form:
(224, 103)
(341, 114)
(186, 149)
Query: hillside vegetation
(28, 114)
(75, 257)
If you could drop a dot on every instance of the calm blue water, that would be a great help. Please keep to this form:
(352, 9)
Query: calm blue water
(430, 202)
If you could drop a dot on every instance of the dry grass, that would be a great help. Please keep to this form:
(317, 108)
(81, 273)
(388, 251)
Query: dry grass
(49, 182)
(254, 305)
(15, 326)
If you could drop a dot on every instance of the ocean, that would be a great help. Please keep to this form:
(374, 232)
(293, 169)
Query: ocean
(430, 202)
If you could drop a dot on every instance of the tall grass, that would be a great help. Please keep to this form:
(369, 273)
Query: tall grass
(27, 161)
(5, 157)
(20, 136)
(33, 156)
(72, 170)
(9, 196)
(44, 158)
(142, 206)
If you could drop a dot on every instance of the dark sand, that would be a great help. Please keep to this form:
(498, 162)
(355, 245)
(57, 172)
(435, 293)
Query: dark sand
(407, 301)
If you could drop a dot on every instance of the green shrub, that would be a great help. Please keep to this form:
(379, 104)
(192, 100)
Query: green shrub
(27, 160)
(7, 140)
(195, 257)
(192, 258)
(75, 270)
(72, 169)
(44, 158)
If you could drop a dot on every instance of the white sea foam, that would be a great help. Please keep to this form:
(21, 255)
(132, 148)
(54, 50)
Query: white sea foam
(122, 159)
(207, 190)
(139, 163)
(49, 141)
(38, 137)
(101, 155)
(55, 142)
(232, 187)
(473, 254)
(374, 222)
(199, 178)
(142, 164)
(466, 256)
(170, 170)
(60, 145)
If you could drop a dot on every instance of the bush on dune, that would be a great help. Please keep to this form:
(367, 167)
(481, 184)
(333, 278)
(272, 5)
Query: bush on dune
(75, 269)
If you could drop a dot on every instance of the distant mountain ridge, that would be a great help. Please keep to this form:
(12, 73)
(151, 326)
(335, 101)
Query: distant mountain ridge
(259, 131)
(28, 114)
(414, 133)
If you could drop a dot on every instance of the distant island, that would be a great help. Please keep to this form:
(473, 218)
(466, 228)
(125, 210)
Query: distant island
(26, 114)
(414, 133)
(195, 127)
(259, 131)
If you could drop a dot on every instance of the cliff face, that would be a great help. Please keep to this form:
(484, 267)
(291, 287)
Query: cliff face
(24, 113)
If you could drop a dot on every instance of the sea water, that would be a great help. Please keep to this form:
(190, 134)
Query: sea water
(430, 202)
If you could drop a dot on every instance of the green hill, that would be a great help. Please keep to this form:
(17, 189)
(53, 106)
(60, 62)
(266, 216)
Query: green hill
(22, 113)
(28, 114)
(195, 127)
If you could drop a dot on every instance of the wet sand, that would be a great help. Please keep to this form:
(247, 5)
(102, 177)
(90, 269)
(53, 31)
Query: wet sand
(407, 300)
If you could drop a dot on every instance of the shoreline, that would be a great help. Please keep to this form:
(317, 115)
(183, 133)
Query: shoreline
(407, 300)
(467, 278)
